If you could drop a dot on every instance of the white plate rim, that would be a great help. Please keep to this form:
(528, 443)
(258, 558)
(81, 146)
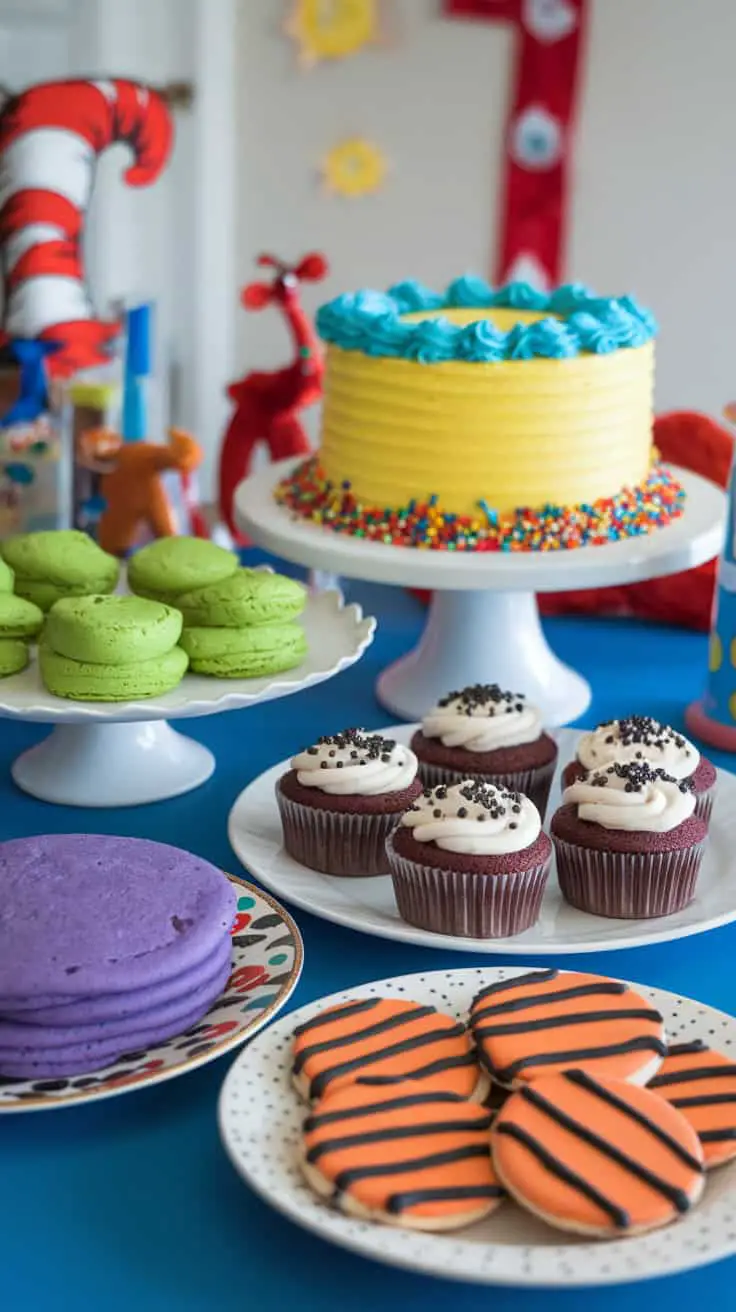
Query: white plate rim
(225, 1045)
(378, 1242)
(664, 929)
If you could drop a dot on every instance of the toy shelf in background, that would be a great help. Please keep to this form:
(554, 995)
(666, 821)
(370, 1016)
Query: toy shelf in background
(535, 191)
(267, 403)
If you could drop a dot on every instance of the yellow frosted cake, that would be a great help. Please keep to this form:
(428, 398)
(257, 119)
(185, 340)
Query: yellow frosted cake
(480, 419)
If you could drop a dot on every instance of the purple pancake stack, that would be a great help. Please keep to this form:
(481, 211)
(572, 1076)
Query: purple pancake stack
(107, 945)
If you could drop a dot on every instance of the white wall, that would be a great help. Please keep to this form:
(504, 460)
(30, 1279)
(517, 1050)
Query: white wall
(654, 209)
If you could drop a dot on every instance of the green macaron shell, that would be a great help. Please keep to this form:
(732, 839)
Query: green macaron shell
(83, 681)
(14, 656)
(65, 557)
(111, 630)
(46, 595)
(249, 596)
(19, 618)
(244, 653)
(170, 566)
(6, 577)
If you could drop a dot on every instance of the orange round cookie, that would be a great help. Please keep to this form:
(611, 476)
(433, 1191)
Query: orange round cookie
(701, 1084)
(387, 1038)
(403, 1154)
(550, 1020)
(597, 1156)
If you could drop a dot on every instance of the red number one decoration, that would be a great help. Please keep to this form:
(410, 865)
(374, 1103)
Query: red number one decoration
(538, 139)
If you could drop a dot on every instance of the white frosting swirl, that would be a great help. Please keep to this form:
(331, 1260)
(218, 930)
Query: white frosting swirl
(475, 818)
(634, 797)
(482, 718)
(639, 738)
(356, 763)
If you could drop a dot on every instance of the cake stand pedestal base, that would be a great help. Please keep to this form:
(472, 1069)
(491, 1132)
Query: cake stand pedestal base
(112, 764)
(469, 633)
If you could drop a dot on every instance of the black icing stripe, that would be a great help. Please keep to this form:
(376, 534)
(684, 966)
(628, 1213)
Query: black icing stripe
(703, 1100)
(441, 1064)
(374, 1170)
(481, 1125)
(336, 1013)
(323, 1078)
(680, 1049)
(357, 1036)
(678, 1197)
(548, 999)
(690, 1073)
(370, 1109)
(585, 1081)
(563, 1020)
(616, 1214)
(401, 1202)
(519, 981)
(572, 1057)
(717, 1136)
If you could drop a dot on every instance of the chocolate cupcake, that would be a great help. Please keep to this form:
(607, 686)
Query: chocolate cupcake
(640, 738)
(628, 842)
(485, 733)
(341, 799)
(470, 859)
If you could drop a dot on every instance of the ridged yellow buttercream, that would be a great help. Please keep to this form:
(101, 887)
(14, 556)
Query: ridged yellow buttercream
(513, 433)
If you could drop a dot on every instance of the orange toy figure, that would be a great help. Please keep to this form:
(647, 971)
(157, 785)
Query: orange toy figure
(267, 404)
(132, 487)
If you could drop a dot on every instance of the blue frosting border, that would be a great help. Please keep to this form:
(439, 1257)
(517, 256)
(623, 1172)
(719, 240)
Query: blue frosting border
(371, 322)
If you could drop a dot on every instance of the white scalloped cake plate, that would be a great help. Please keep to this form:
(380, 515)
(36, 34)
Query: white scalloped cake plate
(337, 636)
(267, 961)
(368, 905)
(260, 1117)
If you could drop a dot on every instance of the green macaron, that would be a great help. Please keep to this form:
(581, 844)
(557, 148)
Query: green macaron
(167, 568)
(244, 653)
(111, 630)
(249, 596)
(64, 557)
(14, 656)
(19, 618)
(6, 577)
(82, 681)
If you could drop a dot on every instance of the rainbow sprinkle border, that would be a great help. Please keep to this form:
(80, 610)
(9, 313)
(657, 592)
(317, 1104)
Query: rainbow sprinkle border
(423, 525)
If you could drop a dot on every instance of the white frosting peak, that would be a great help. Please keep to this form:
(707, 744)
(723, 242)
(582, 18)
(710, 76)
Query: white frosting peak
(632, 796)
(474, 817)
(356, 763)
(638, 738)
(482, 718)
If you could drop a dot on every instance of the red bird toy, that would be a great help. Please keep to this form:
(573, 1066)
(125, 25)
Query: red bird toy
(267, 403)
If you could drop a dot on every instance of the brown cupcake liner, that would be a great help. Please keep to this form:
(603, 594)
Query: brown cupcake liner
(466, 905)
(627, 885)
(336, 842)
(534, 784)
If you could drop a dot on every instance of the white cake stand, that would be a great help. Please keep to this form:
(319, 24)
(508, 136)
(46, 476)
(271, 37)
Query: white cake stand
(125, 754)
(483, 622)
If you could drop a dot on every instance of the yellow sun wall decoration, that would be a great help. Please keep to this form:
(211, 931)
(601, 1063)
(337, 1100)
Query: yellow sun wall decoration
(354, 167)
(333, 29)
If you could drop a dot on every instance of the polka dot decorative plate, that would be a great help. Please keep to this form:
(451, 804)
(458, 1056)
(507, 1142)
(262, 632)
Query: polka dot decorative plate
(254, 830)
(261, 1114)
(266, 964)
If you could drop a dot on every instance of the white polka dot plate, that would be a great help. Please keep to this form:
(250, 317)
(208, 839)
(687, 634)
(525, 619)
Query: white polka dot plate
(266, 965)
(260, 1118)
(254, 829)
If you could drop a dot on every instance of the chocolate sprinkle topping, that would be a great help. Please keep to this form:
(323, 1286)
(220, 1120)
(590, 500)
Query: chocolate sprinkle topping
(637, 774)
(369, 746)
(642, 729)
(487, 696)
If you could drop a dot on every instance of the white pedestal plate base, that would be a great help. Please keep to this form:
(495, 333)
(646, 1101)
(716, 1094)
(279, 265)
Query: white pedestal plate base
(483, 623)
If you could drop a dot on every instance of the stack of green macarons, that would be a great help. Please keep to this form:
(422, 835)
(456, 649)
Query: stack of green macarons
(58, 563)
(111, 649)
(20, 622)
(238, 623)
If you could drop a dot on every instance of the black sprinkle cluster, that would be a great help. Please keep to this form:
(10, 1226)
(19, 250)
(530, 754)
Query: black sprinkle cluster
(644, 731)
(362, 746)
(495, 802)
(487, 696)
(637, 775)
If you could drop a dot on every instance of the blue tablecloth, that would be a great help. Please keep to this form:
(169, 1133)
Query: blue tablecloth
(132, 1204)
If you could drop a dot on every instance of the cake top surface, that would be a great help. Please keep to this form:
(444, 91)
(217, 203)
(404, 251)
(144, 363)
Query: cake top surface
(574, 321)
